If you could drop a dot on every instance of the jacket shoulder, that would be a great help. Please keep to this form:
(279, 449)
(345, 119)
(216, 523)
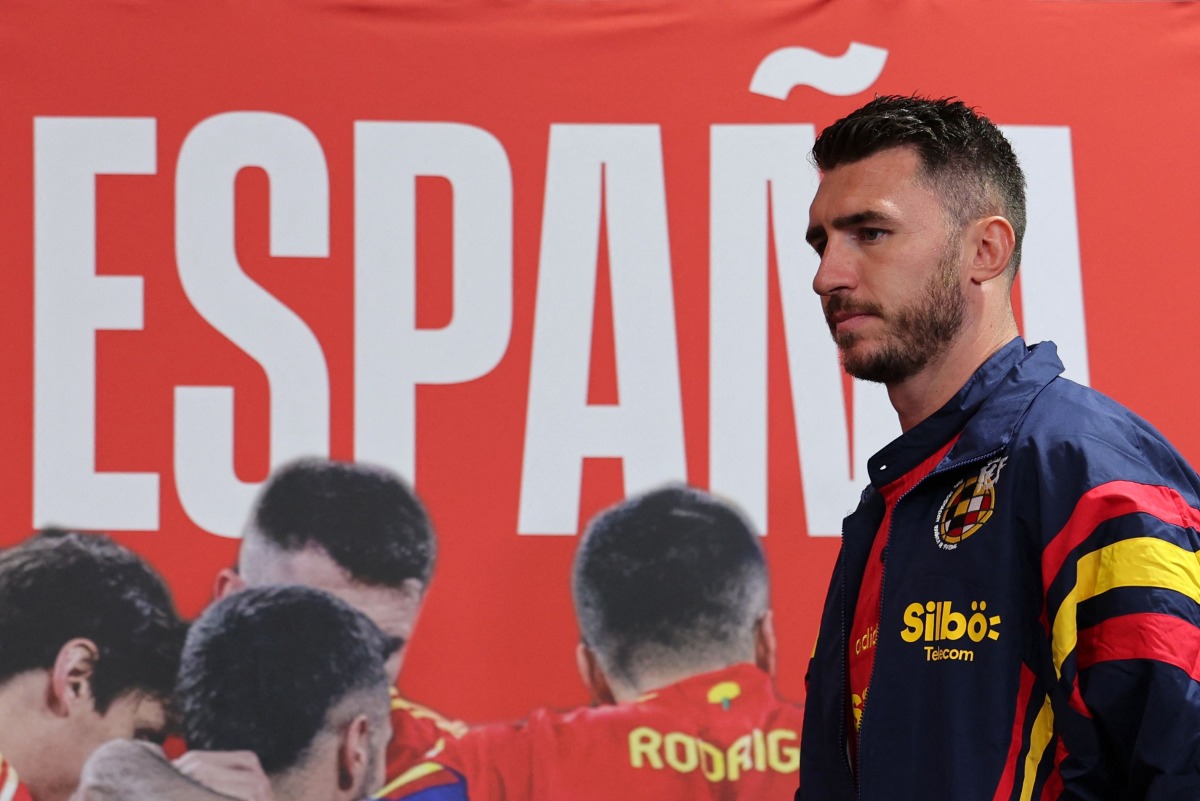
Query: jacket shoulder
(1074, 438)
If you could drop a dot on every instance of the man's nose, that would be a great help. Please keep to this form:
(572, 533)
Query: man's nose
(838, 269)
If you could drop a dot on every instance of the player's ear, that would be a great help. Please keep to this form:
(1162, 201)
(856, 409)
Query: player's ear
(593, 675)
(992, 240)
(764, 642)
(71, 676)
(228, 582)
(354, 757)
(413, 589)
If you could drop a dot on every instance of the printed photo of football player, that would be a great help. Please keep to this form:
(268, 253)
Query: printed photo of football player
(677, 647)
(358, 532)
(297, 677)
(89, 649)
(288, 674)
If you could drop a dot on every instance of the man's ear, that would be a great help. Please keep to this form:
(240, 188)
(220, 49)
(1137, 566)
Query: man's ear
(228, 582)
(593, 675)
(764, 642)
(414, 589)
(71, 676)
(992, 240)
(354, 757)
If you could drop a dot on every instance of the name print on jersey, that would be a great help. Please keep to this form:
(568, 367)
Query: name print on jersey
(776, 750)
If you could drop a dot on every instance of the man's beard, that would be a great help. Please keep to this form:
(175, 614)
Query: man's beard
(914, 336)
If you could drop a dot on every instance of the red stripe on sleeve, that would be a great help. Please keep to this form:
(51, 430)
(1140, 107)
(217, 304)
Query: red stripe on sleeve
(1005, 787)
(1114, 499)
(1147, 635)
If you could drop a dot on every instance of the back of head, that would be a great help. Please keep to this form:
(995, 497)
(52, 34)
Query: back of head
(365, 517)
(963, 154)
(271, 669)
(58, 586)
(669, 581)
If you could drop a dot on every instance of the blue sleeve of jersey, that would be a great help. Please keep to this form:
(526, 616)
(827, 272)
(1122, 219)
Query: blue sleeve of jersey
(427, 782)
(446, 792)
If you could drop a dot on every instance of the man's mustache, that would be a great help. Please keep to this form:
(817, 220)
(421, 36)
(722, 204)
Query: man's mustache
(843, 304)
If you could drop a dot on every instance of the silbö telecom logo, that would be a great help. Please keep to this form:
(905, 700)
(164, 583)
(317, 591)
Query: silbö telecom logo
(936, 622)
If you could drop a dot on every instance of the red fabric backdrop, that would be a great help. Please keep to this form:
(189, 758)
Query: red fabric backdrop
(547, 110)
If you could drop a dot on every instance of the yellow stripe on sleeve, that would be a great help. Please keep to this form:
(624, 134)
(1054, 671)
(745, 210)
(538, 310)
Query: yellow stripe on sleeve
(1137, 562)
(409, 776)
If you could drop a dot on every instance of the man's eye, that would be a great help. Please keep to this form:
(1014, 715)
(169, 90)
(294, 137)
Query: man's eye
(870, 234)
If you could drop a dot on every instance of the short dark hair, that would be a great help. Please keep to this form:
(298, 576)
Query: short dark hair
(59, 585)
(963, 154)
(264, 668)
(364, 516)
(673, 575)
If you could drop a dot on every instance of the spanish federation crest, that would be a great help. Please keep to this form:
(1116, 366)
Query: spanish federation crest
(968, 506)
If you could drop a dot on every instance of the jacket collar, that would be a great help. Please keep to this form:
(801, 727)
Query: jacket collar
(986, 410)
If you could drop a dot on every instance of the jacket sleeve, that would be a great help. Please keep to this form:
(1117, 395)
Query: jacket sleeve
(1120, 575)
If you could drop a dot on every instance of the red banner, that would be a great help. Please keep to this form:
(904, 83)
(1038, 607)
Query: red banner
(532, 255)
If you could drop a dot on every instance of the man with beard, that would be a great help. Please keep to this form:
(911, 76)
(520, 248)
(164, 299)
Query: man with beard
(290, 675)
(296, 677)
(1014, 612)
(359, 532)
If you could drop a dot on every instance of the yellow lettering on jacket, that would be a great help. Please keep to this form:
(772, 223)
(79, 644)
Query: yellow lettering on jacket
(937, 621)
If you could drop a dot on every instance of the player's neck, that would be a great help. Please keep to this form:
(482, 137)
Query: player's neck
(10, 713)
(922, 394)
(300, 786)
(23, 745)
(313, 780)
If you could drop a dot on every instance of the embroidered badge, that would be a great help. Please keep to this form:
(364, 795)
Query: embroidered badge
(968, 506)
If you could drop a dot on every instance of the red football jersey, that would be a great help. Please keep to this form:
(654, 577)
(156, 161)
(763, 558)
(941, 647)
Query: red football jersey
(416, 730)
(11, 788)
(722, 735)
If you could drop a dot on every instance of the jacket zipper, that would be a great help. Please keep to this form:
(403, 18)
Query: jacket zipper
(845, 740)
(882, 580)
